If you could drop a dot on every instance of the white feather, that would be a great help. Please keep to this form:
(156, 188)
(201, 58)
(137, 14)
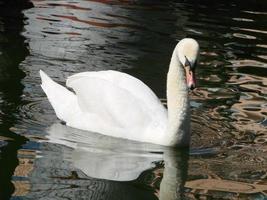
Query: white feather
(108, 104)
(60, 97)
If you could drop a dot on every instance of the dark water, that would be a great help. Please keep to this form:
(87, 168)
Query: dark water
(43, 159)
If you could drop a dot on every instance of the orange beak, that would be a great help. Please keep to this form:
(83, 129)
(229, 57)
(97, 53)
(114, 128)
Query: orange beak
(190, 78)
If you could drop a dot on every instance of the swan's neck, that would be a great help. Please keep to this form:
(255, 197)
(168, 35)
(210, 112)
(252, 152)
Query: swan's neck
(178, 104)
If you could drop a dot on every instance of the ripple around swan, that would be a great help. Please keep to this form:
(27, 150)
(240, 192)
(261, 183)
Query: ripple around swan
(243, 19)
(35, 117)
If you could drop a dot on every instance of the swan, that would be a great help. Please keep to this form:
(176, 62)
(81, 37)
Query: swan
(119, 105)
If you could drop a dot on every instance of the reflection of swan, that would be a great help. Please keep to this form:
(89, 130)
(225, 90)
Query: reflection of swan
(119, 105)
(116, 159)
(174, 175)
(105, 157)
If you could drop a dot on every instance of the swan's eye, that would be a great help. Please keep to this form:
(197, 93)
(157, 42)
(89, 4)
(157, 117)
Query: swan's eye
(187, 63)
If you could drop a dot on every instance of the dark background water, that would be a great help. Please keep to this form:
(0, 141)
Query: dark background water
(41, 159)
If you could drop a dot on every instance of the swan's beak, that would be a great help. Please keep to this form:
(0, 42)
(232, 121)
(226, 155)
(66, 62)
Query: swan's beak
(190, 78)
(190, 74)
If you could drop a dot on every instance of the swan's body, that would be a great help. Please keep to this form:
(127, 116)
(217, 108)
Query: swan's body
(116, 104)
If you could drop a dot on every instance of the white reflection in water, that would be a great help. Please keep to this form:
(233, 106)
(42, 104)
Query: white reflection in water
(104, 157)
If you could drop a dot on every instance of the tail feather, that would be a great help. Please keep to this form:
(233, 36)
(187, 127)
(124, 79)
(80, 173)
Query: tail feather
(62, 100)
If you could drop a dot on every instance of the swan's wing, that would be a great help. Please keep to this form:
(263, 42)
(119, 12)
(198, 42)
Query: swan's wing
(123, 81)
(118, 99)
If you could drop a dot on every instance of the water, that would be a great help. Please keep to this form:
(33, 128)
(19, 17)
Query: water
(43, 159)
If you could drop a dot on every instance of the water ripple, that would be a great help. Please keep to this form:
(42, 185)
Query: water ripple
(228, 107)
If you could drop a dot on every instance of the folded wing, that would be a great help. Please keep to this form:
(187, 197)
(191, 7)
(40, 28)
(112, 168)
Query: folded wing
(114, 103)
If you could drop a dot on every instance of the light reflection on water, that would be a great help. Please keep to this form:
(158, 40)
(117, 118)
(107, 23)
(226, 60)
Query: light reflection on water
(114, 168)
(229, 109)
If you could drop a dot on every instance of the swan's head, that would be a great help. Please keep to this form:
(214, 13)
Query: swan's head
(188, 51)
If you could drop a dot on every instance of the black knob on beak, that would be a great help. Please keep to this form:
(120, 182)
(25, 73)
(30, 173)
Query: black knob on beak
(192, 86)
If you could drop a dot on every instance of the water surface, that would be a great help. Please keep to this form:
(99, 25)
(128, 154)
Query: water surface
(43, 159)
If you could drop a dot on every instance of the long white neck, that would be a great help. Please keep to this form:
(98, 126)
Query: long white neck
(178, 127)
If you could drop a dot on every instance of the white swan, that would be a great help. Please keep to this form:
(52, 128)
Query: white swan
(116, 104)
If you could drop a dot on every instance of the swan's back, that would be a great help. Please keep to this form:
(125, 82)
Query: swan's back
(122, 81)
(116, 104)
